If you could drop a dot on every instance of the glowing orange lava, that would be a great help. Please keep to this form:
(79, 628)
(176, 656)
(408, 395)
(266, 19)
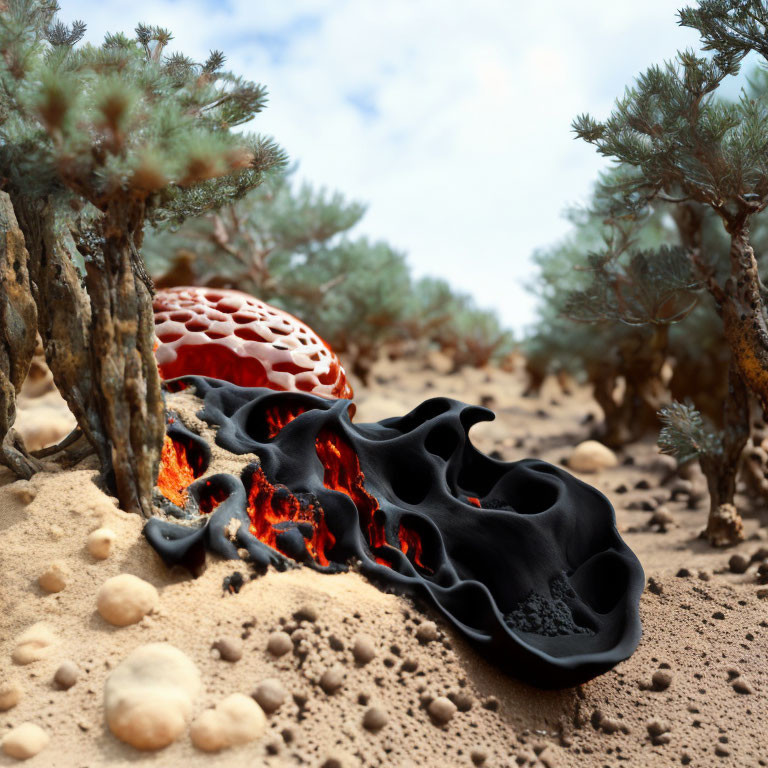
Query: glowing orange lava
(343, 473)
(474, 501)
(410, 541)
(269, 505)
(176, 473)
(278, 416)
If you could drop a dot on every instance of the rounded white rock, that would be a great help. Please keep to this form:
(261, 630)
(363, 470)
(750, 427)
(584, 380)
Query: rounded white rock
(36, 643)
(25, 741)
(100, 542)
(54, 578)
(236, 720)
(592, 456)
(126, 599)
(148, 697)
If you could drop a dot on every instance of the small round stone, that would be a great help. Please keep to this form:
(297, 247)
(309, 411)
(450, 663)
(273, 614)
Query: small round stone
(10, 694)
(306, 613)
(66, 675)
(742, 685)
(332, 679)
(126, 599)
(441, 710)
(55, 577)
(374, 719)
(363, 650)
(426, 632)
(662, 679)
(25, 741)
(235, 721)
(229, 648)
(738, 563)
(279, 643)
(270, 695)
(99, 543)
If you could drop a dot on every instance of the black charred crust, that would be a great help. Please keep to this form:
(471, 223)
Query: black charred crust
(537, 577)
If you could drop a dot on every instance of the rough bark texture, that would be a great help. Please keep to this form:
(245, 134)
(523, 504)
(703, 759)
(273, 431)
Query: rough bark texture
(18, 331)
(724, 526)
(128, 397)
(98, 344)
(743, 315)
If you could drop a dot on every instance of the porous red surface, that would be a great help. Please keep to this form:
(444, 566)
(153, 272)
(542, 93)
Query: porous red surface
(227, 334)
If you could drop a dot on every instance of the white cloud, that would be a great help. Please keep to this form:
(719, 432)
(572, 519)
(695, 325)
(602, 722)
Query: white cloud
(452, 120)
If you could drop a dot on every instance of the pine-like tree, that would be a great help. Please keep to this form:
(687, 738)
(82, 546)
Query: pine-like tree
(94, 142)
(682, 145)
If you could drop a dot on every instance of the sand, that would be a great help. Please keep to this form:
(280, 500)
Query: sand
(694, 693)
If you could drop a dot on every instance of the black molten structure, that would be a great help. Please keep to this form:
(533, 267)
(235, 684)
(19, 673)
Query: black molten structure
(522, 558)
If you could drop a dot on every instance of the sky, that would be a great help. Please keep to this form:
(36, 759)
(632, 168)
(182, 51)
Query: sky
(450, 120)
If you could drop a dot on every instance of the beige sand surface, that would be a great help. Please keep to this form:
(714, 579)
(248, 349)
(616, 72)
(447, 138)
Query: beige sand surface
(708, 630)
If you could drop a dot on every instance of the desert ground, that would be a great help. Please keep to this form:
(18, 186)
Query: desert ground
(366, 678)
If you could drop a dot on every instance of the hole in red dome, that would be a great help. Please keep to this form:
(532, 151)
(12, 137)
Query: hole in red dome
(248, 334)
(280, 331)
(215, 335)
(167, 338)
(286, 367)
(243, 317)
(181, 317)
(196, 326)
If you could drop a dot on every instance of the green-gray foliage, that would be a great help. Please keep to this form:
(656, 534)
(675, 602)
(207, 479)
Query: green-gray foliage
(85, 125)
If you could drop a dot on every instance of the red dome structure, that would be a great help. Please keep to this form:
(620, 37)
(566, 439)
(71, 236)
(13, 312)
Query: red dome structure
(230, 335)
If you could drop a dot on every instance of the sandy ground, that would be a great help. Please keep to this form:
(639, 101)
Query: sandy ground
(706, 631)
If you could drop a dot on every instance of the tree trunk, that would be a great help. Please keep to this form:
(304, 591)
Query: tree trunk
(724, 526)
(743, 313)
(99, 344)
(128, 397)
(18, 331)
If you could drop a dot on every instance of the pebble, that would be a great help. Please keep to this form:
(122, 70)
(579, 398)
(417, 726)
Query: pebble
(332, 679)
(478, 756)
(270, 695)
(55, 577)
(34, 644)
(99, 543)
(306, 613)
(742, 685)
(10, 694)
(236, 720)
(759, 554)
(374, 719)
(24, 491)
(338, 760)
(229, 648)
(658, 730)
(441, 710)
(655, 586)
(738, 563)
(279, 643)
(426, 632)
(363, 649)
(662, 679)
(25, 741)
(148, 697)
(662, 517)
(126, 599)
(592, 456)
(66, 675)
